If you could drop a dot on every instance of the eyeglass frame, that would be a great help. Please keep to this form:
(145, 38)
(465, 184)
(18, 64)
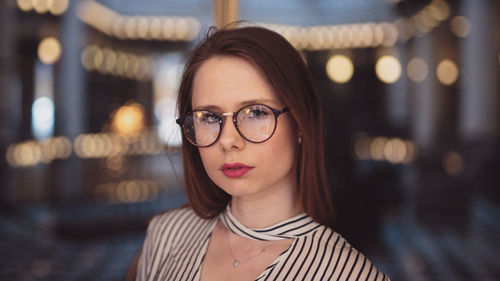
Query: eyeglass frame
(222, 121)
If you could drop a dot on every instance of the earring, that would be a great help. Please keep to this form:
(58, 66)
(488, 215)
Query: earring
(300, 140)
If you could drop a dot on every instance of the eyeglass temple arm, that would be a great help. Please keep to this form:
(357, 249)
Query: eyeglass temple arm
(278, 112)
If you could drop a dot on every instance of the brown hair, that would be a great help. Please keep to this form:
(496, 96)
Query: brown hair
(287, 74)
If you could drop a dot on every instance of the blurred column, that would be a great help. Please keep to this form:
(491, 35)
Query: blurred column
(424, 99)
(225, 12)
(479, 100)
(70, 101)
(10, 96)
(479, 104)
(397, 96)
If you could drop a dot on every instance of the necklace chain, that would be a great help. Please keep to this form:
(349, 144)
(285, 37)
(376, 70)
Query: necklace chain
(236, 261)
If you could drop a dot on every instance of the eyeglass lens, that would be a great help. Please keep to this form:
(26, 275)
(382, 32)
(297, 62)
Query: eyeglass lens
(255, 123)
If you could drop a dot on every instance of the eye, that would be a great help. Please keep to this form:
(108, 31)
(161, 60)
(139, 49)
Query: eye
(256, 112)
(207, 117)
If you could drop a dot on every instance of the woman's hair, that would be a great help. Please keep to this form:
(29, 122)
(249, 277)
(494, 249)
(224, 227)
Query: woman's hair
(287, 74)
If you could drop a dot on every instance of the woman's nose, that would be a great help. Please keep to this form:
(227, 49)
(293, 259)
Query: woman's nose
(229, 138)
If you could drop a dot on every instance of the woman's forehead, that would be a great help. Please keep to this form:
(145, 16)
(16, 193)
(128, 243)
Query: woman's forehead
(229, 81)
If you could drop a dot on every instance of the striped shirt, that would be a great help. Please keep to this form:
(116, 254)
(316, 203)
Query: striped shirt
(176, 242)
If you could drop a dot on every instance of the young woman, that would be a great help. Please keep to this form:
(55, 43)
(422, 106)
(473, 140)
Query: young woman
(259, 203)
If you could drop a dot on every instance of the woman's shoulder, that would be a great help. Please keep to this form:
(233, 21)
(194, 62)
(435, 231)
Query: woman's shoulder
(175, 220)
(165, 232)
(330, 238)
(339, 250)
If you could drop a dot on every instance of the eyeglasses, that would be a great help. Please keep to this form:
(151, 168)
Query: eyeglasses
(255, 123)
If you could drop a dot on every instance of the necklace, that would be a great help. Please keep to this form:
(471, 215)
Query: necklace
(237, 261)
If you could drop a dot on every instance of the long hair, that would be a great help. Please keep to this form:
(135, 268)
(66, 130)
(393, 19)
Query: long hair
(287, 75)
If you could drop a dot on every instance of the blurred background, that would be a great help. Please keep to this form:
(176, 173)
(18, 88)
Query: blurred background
(89, 149)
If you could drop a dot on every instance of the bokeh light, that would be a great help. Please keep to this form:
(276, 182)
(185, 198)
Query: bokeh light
(447, 72)
(388, 69)
(118, 63)
(367, 34)
(453, 163)
(443, 9)
(143, 28)
(156, 26)
(417, 69)
(128, 119)
(460, 26)
(377, 148)
(362, 148)
(131, 28)
(390, 34)
(181, 29)
(392, 150)
(41, 6)
(339, 68)
(58, 7)
(395, 151)
(128, 191)
(42, 115)
(25, 5)
(30, 153)
(49, 50)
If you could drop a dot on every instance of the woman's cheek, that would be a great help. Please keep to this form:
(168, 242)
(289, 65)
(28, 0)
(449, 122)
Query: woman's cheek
(209, 161)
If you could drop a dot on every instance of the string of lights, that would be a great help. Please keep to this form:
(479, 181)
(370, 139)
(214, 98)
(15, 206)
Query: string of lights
(363, 35)
(137, 27)
(118, 63)
(392, 150)
(85, 146)
(55, 7)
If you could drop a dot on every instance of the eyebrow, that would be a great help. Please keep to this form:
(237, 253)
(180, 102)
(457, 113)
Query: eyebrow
(239, 105)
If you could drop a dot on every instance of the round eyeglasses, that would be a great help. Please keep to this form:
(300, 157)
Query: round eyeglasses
(255, 123)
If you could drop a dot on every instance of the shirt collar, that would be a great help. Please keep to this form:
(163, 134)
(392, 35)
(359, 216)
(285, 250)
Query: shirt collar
(294, 227)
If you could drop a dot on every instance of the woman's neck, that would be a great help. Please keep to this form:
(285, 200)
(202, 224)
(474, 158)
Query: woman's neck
(264, 212)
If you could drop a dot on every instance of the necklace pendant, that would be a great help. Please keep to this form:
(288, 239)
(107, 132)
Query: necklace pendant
(235, 263)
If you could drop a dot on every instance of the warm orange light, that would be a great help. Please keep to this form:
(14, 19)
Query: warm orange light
(49, 50)
(25, 5)
(447, 72)
(453, 163)
(377, 147)
(58, 7)
(128, 119)
(41, 6)
(395, 151)
(30, 153)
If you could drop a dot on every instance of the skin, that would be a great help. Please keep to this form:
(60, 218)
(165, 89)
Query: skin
(264, 196)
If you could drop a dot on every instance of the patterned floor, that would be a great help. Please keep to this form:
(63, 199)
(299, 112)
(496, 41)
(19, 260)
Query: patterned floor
(443, 251)
(30, 250)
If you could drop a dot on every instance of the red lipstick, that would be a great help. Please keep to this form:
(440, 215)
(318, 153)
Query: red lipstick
(235, 170)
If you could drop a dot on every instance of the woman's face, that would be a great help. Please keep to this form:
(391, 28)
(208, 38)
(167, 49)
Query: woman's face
(225, 84)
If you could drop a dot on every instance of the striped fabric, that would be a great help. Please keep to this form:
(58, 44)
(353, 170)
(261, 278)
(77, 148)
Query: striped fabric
(176, 242)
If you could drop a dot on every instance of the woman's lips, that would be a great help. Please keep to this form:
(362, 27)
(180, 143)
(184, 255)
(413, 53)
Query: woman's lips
(235, 170)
